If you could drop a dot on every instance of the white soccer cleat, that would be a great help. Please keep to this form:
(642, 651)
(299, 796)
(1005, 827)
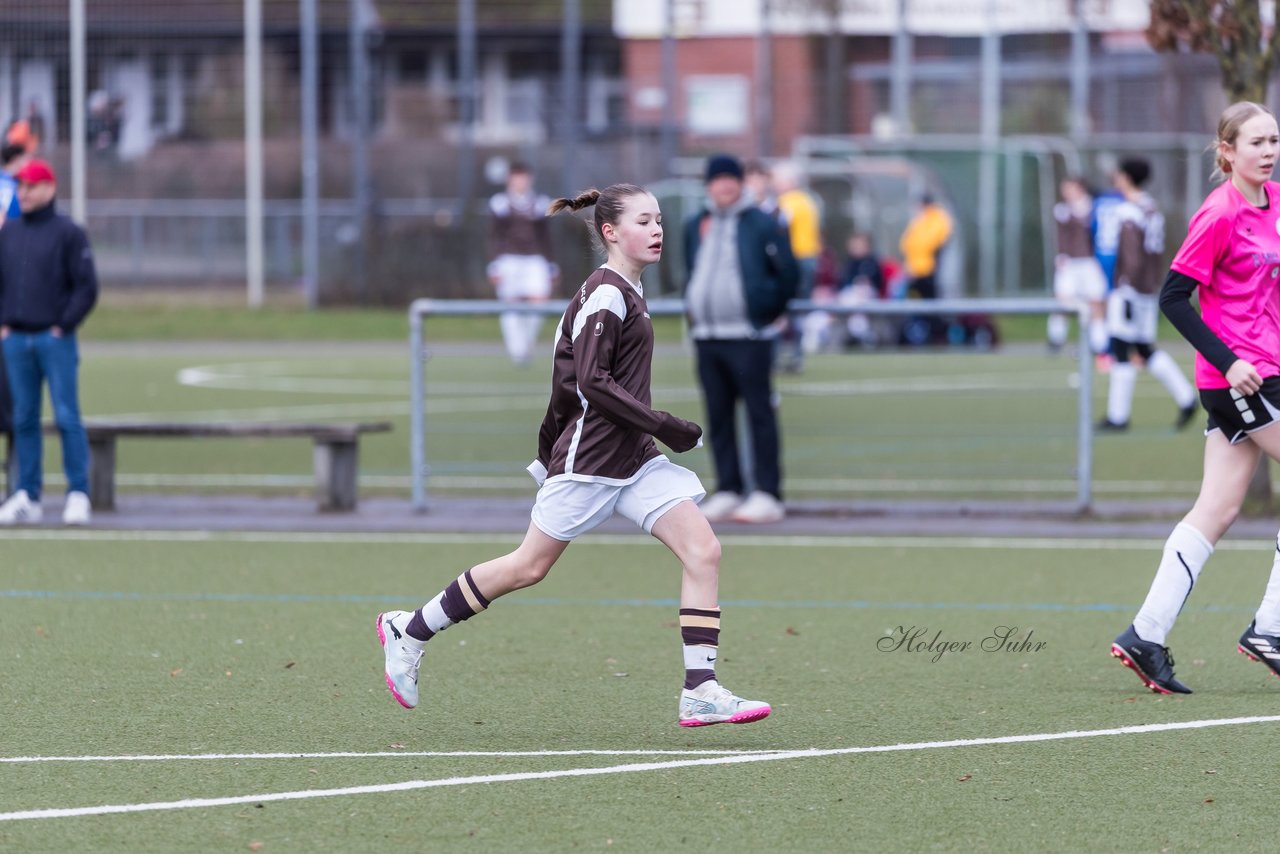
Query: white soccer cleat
(20, 510)
(712, 703)
(759, 508)
(77, 510)
(718, 507)
(403, 655)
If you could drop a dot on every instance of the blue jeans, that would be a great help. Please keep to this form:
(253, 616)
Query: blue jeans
(30, 358)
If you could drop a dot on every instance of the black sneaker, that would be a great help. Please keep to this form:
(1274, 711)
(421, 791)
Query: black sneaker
(1185, 414)
(1106, 425)
(1260, 647)
(1152, 662)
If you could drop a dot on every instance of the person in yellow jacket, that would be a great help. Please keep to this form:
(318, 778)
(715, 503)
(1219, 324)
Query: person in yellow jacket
(925, 235)
(799, 212)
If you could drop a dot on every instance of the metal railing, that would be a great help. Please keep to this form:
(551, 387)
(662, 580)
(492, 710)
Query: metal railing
(422, 309)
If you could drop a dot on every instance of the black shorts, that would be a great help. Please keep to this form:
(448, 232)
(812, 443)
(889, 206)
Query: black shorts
(1236, 415)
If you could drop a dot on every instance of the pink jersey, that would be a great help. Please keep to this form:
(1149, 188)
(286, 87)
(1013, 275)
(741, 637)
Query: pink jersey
(1233, 250)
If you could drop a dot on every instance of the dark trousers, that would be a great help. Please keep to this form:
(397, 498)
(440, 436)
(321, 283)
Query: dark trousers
(730, 370)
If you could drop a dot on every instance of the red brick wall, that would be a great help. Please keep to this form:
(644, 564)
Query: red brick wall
(792, 89)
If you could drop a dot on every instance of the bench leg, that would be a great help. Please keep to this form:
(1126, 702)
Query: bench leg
(335, 464)
(10, 466)
(102, 472)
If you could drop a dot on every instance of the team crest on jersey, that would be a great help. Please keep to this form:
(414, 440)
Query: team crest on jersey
(599, 328)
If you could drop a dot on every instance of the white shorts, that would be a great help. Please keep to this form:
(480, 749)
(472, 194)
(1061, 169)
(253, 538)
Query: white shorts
(1132, 316)
(565, 509)
(522, 277)
(1080, 279)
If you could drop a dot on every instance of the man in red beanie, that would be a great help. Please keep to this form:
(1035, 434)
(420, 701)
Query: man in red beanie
(48, 285)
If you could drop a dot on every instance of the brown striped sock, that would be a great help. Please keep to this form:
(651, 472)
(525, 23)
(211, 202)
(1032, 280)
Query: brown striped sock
(458, 602)
(700, 631)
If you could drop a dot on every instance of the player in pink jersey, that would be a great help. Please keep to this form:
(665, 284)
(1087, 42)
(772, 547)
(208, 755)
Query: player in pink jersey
(1232, 257)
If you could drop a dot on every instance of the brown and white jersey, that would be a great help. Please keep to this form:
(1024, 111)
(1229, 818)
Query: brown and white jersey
(1140, 256)
(599, 424)
(518, 225)
(1075, 229)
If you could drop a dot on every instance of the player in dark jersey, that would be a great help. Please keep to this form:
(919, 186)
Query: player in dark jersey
(597, 457)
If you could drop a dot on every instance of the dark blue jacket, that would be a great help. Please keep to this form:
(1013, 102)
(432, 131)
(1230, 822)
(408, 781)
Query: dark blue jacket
(47, 277)
(769, 270)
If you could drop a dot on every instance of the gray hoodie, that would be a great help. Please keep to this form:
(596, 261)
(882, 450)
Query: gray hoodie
(716, 299)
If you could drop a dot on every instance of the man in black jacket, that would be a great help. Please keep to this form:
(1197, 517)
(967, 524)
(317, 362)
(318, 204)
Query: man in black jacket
(741, 273)
(48, 286)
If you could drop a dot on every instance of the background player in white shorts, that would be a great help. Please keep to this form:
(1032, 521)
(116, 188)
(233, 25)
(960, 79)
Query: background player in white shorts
(520, 265)
(1078, 278)
(597, 457)
(1133, 306)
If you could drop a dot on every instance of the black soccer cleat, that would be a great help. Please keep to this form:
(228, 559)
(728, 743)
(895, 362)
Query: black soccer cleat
(1106, 425)
(1152, 662)
(1260, 647)
(1185, 414)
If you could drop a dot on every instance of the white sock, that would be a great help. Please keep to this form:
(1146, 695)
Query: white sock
(1267, 619)
(433, 614)
(514, 336)
(1185, 554)
(1120, 392)
(1099, 340)
(1164, 368)
(532, 325)
(1057, 329)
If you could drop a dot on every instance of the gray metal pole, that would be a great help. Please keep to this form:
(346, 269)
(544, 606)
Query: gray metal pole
(1080, 75)
(987, 166)
(764, 84)
(668, 143)
(467, 52)
(254, 233)
(900, 82)
(1012, 214)
(79, 129)
(310, 50)
(360, 95)
(1084, 417)
(417, 405)
(570, 89)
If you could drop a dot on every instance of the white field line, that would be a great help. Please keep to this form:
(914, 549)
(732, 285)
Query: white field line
(1082, 544)
(437, 754)
(634, 768)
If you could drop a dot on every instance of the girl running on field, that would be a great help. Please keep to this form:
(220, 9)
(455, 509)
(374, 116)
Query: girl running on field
(1232, 256)
(597, 457)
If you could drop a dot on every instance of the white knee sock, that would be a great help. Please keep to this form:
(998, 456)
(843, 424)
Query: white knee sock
(1165, 369)
(1268, 616)
(1120, 392)
(1057, 329)
(532, 325)
(1185, 554)
(1099, 340)
(514, 335)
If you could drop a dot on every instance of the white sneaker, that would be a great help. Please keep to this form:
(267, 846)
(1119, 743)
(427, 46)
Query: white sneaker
(20, 510)
(77, 509)
(403, 655)
(712, 703)
(759, 508)
(719, 506)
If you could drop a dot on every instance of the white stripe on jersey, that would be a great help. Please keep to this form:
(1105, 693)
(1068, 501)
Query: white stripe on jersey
(577, 432)
(603, 298)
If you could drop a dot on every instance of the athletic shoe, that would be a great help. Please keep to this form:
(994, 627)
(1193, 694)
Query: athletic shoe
(1106, 425)
(403, 655)
(1260, 647)
(759, 508)
(77, 510)
(1185, 414)
(718, 507)
(1152, 662)
(20, 510)
(712, 703)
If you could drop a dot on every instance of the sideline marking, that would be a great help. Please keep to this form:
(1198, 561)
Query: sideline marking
(439, 754)
(62, 535)
(812, 753)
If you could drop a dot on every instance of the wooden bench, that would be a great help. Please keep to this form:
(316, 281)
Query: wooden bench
(334, 455)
